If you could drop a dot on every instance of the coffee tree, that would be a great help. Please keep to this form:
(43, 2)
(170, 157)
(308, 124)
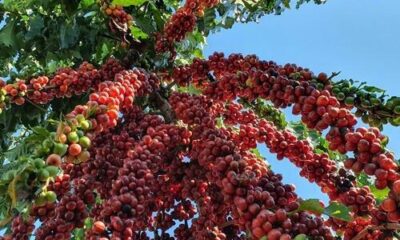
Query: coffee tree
(114, 126)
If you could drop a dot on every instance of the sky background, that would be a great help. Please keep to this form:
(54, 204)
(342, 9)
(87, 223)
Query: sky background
(358, 38)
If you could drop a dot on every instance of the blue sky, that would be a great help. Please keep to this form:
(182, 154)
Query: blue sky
(358, 38)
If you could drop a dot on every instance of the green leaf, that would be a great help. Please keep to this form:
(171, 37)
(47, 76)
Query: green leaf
(7, 34)
(41, 131)
(103, 51)
(14, 153)
(190, 89)
(138, 33)
(312, 205)
(198, 53)
(127, 3)
(301, 237)
(69, 35)
(286, 3)
(15, 5)
(338, 211)
(256, 152)
(379, 194)
(363, 180)
(373, 89)
(78, 234)
(228, 22)
(220, 122)
(36, 24)
(87, 3)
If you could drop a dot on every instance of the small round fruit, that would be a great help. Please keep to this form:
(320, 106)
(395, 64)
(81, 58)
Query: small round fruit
(80, 133)
(43, 174)
(396, 187)
(41, 199)
(39, 163)
(54, 160)
(62, 138)
(74, 149)
(80, 117)
(83, 156)
(99, 227)
(396, 110)
(47, 143)
(349, 101)
(323, 77)
(60, 149)
(393, 216)
(389, 205)
(51, 196)
(84, 142)
(340, 96)
(67, 129)
(73, 137)
(53, 170)
(85, 125)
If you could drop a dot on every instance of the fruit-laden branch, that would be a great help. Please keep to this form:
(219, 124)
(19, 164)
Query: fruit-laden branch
(65, 83)
(249, 78)
(372, 104)
(99, 114)
(236, 171)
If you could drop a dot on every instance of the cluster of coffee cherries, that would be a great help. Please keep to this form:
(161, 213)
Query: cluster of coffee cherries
(250, 78)
(116, 13)
(21, 229)
(70, 145)
(182, 22)
(66, 82)
(236, 172)
(14, 93)
(370, 157)
(72, 209)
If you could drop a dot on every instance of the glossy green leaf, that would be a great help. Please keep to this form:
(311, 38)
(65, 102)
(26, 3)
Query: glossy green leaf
(36, 24)
(138, 33)
(379, 194)
(87, 3)
(69, 34)
(312, 205)
(8, 35)
(127, 3)
(338, 211)
(15, 5)
(373, 89)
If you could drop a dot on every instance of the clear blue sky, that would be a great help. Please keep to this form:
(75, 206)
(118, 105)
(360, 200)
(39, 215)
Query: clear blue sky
(358, 38)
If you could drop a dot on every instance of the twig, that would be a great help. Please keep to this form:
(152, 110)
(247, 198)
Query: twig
(123, 28)
(334, 74)
(37, 106)
(110, 37)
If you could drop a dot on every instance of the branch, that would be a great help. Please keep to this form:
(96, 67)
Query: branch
(387, 226)
(162, 104)
(227, 224)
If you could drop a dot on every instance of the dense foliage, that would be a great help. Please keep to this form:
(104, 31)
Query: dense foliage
(114, 126)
